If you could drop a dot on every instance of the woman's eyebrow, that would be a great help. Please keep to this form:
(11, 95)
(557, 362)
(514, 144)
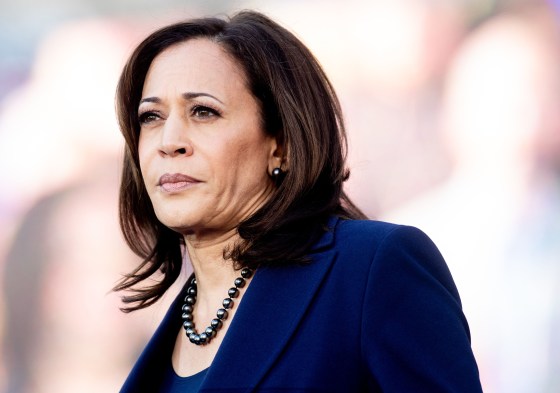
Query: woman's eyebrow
(189, 96)
(186, 96)
(150, 99)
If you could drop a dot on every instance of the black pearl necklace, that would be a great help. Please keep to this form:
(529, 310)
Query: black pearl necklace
(221, 315)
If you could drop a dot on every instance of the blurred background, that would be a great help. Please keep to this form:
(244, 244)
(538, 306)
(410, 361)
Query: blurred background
(452, 109)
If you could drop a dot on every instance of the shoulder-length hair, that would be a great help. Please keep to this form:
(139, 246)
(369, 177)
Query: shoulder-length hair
(299, 108)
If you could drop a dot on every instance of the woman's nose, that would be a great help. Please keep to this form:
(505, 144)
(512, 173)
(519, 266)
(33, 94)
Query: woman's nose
(174, 139)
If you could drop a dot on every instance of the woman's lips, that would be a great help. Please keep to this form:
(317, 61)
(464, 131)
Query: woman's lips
(176, 182)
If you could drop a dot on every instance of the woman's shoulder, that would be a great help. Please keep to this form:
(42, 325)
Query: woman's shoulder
(371, 239)
(391, 248)
(377, 231)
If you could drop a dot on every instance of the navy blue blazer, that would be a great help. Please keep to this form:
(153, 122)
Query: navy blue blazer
(375, 311)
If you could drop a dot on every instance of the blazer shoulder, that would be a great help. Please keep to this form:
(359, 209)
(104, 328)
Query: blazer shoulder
(388, 246)
(376, 232)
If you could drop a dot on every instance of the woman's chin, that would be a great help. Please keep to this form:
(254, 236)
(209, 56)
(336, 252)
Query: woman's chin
(177, 223)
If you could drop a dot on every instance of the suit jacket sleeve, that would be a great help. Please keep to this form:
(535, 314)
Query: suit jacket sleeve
(414, 335)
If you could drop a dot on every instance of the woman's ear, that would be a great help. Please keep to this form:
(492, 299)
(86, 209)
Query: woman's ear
(277, 157)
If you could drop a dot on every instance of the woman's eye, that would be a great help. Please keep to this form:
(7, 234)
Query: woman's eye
(203, 112)
(147, 117)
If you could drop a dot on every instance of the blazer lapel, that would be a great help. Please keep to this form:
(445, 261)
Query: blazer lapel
(268, 316)
(148, 371)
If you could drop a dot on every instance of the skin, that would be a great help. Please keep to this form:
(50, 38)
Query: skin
(199, 119)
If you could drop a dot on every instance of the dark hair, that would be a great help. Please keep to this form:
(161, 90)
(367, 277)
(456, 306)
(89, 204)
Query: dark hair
(298, 107)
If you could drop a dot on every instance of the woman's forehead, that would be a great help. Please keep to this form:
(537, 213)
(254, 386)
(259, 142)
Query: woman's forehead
(195, 64)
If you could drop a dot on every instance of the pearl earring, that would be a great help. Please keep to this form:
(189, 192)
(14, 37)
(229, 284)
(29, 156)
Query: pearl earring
(276, 172)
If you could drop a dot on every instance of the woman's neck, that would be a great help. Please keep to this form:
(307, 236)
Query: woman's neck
(214, 274)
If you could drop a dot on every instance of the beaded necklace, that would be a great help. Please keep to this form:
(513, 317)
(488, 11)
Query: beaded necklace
(221, 315)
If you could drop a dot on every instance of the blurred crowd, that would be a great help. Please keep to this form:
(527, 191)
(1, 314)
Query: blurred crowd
(452, 113)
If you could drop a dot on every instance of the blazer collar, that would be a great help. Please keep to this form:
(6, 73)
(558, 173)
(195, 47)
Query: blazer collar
(268, 316)
(327, 238)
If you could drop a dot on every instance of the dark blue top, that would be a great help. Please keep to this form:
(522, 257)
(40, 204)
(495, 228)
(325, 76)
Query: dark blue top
(375, 310)
(173, 383)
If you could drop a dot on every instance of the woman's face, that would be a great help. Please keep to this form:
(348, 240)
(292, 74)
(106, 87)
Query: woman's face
(204, 156)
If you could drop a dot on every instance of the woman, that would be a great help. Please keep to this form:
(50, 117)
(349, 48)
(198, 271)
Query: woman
(235, 153)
